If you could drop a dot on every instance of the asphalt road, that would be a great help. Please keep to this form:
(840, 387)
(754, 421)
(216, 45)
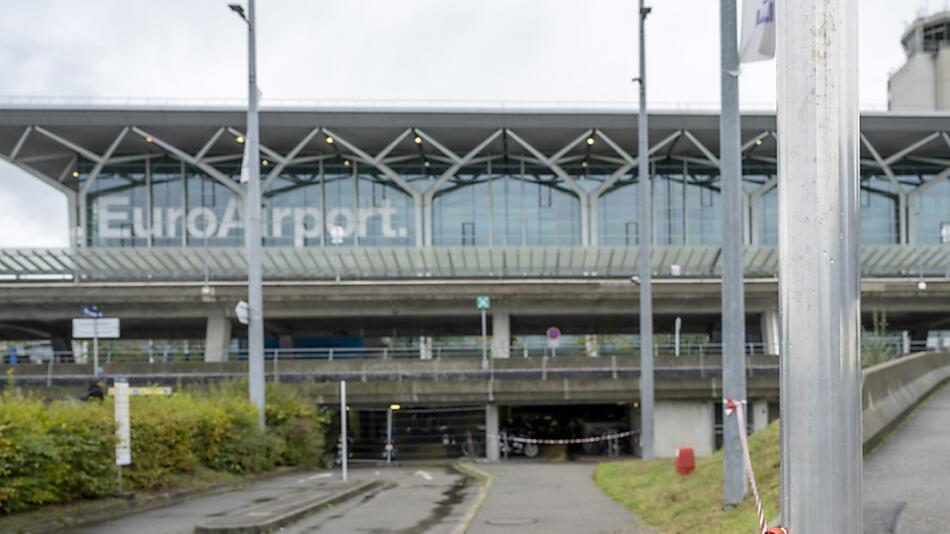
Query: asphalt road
(181, 518)
(550, 499)
(421, 500)
(417, 500)
(907, 479)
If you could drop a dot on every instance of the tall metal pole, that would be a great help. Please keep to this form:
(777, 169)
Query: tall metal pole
(484, 340)
(344, 442)
(252, 229)
(645, 227)
(819, 272)
(733, 296)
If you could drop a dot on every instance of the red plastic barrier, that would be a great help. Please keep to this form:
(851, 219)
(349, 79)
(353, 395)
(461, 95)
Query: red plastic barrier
(685, 460)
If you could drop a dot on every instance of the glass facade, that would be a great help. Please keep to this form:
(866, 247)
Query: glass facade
(501, 201)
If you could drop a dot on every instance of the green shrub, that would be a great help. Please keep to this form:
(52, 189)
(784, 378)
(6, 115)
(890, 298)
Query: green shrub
(53, 453)
(65, 450)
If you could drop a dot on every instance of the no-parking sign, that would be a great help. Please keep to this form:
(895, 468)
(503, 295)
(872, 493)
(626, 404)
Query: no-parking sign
(554, 337)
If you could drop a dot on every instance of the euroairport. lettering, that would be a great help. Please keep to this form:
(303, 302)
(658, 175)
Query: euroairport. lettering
(202, 222)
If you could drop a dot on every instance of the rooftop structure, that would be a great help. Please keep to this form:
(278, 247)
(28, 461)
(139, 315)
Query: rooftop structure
(923, 83)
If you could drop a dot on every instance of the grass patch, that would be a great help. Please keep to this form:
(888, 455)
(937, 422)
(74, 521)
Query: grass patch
(676, 504)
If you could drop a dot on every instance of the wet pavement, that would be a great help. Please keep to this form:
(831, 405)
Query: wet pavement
(907, 479)
(419, 500)
(413, 501)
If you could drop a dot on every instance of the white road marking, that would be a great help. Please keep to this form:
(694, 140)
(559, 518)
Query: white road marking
(314, 477)
(423, 474)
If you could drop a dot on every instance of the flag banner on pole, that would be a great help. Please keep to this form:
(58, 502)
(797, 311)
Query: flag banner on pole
(758, 31)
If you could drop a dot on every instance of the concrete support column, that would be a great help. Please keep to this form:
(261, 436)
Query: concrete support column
(492, 445)
(683, 424)
(425, 347)
(217, 337)
(770, 332)
(500, 334)
(759, 409)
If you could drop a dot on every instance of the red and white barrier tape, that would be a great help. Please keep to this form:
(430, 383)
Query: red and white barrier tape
(570, 441)
(729, 407)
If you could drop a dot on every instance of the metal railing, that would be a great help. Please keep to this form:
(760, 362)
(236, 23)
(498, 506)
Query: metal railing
(876, 350)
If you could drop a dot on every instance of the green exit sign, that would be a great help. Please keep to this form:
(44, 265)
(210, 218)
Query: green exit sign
(483, 302)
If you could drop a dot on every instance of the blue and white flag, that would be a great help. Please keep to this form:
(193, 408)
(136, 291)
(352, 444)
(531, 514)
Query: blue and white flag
(758, 31)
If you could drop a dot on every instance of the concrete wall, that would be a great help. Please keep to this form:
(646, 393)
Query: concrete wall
(893, 388)
(913, 87)
(683, 424)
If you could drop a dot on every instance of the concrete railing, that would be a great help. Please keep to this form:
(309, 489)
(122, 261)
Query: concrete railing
(893, 388)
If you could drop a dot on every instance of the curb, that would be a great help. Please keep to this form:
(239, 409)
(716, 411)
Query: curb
(486, 480)
(270, 525)
(116, 507)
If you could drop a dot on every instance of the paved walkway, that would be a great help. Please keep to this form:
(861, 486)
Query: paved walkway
(551, 499)
(907, 479)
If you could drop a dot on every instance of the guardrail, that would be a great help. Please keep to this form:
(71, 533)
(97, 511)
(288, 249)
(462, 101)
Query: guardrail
(892, 389)
(886, 349)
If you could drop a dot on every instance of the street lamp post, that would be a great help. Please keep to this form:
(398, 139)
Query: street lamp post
(645, 220)
(733, 297)
(252, 222)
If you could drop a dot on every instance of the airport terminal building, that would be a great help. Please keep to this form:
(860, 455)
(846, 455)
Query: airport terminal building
(363, 204)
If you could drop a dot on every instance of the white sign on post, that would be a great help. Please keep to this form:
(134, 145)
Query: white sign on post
(243, 312)
(106, 327)
(123, 444)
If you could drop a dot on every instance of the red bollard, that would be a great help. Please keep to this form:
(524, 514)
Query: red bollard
(685, 461)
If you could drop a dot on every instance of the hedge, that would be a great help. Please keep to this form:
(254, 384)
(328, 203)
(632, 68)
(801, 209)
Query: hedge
(54, 452)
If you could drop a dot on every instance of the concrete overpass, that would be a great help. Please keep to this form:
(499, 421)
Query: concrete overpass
(161, 293)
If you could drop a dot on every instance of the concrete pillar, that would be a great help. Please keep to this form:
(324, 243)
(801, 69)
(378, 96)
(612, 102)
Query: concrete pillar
(425, 347)
(492, 445)
(500, 334)
(217, 337)
(759, 410)
(681, 423)
(770, 332)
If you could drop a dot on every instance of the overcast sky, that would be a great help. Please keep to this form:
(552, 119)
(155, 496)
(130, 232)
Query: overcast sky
(500, 50)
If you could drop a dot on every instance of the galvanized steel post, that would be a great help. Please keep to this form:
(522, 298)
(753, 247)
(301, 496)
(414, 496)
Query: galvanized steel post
(733, 295)
(252, 230)
(819, 271)
(645, 227)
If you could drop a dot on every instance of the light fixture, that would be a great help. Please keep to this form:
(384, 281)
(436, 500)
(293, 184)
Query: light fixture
(590, 141)
(346, 163)
(394, 407)
(921, 285)
(149, 139)
(265, 163)
(425, 164)
(584, 164)
(758, 142)
(418, 140)
(75, 174)
(329, 139)
(239, 139)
